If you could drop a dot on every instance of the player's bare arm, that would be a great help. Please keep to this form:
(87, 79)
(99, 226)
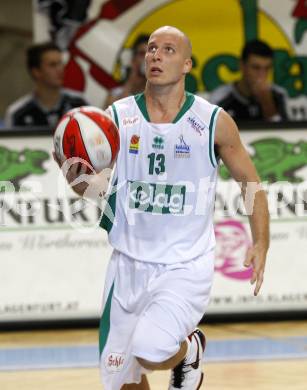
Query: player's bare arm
(237, 160)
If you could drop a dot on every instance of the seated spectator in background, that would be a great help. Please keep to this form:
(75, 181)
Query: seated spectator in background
(48, 101)
(135, 81)
(253, 97)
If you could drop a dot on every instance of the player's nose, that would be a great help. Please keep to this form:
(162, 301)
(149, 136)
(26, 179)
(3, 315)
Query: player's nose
(157, 55)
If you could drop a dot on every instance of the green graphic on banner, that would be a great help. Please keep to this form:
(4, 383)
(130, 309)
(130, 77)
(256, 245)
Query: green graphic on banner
(276, 160)
(16, 165)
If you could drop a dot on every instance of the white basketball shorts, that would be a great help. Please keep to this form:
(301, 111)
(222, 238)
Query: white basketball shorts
(148, 310)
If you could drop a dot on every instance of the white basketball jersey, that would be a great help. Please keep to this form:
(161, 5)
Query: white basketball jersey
(160, 207)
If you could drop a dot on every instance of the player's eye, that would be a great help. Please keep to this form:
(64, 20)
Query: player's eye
(170, 49)
(152, 49)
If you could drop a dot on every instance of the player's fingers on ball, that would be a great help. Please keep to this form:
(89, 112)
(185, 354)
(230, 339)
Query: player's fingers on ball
(83, 168)
(86, 169)
(75, 169)
(72, 172)
(55, 157)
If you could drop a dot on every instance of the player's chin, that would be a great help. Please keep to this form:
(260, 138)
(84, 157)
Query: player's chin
(156, 80)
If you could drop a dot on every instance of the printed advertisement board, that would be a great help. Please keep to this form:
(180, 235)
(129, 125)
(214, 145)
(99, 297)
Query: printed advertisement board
(54, 256)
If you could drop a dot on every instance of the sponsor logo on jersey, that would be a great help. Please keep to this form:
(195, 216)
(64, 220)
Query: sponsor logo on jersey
(131, 121)
(114, 362)
(156, 198)
(134, 144)
(199, 128)
(182, 150)
(158, 143)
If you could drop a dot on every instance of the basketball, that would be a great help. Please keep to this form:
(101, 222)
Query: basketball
(87, 133)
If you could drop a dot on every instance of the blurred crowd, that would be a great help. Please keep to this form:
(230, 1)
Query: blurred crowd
(253, 97)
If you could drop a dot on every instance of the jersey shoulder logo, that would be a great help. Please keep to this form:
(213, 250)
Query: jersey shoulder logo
(196, 125)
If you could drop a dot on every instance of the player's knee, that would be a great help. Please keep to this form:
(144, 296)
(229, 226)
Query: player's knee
(153, 346)
(150, 365)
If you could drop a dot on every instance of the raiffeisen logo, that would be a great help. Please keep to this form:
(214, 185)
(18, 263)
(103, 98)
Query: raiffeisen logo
(218, 31)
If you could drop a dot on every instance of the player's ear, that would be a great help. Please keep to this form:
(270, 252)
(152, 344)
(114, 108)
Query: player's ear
(187, 66)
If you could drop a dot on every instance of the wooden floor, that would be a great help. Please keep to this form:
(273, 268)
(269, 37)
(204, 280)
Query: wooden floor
(260, 375)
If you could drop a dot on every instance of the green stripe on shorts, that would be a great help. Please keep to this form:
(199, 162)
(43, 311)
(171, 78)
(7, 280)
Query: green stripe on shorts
(104, 327)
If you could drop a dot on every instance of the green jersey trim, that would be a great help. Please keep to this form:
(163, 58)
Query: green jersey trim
(115, 115)
(141, 102)
(212, 126)
(109, 212)
(189, 100)
(104, 326)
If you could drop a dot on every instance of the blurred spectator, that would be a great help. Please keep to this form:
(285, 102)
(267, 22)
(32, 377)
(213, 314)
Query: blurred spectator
(253, 97)
(65, 17)
(48, 101)
(135, 80)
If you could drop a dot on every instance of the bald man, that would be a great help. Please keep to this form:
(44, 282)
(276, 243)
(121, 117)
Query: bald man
(160, 222)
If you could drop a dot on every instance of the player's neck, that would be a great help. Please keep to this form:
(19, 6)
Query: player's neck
(164, 102)
(47, 97)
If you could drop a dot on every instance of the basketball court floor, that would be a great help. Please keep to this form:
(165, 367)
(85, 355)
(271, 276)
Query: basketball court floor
(262, 356)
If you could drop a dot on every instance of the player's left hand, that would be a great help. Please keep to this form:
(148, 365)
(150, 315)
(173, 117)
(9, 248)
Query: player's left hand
(255, 258)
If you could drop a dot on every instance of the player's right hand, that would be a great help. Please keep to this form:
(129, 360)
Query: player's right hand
(85, 183)
(74, 173)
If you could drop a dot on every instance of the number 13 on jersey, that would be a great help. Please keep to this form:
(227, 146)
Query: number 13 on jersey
(156, 163)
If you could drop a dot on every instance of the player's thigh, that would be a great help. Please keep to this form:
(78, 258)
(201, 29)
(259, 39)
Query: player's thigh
(177, 304)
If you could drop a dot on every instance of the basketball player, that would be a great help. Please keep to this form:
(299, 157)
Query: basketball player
(160, 273)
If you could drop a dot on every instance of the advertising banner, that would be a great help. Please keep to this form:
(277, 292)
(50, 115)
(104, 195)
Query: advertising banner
(98, 34)
(281, 161)
(54, 256)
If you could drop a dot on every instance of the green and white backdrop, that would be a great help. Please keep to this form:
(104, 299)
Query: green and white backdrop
(54, 256)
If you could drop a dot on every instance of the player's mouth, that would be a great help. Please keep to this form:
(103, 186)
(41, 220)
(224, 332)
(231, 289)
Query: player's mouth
(155, 70)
